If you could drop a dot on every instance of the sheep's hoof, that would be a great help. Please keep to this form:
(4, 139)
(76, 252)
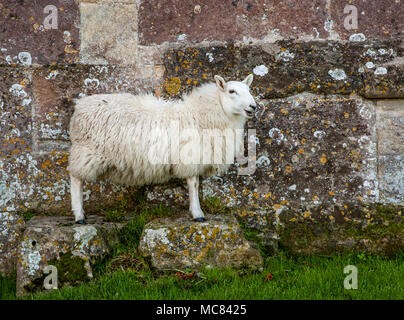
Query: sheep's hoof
(81, 222)
(202, 219)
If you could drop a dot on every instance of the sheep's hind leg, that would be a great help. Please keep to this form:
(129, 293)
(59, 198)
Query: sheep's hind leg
(76, 191)
(194, 206)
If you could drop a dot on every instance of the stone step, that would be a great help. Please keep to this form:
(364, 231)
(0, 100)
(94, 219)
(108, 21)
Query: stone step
(58, 242)
(182, 243)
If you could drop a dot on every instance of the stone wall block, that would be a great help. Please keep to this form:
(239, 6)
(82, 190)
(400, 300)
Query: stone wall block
(285, 68)
(390, 129)
(108, 33)
(30, 37)
(382, 19)
(192, 22)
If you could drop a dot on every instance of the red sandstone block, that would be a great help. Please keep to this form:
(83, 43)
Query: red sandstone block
(381, 19)
(170, 20)
(25, 38)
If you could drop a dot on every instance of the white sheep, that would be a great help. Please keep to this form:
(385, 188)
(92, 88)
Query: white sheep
(125, 138)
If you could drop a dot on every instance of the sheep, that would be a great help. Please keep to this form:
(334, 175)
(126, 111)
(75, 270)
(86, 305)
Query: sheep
(122, 138)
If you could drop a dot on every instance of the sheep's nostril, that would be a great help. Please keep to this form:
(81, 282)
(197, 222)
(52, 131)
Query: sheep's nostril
(254, 107)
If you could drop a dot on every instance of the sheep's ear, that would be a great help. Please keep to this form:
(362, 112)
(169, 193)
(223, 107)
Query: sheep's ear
(220, 82)
(248, 80)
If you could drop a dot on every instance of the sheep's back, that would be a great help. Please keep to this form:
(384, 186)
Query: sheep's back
(113, 133)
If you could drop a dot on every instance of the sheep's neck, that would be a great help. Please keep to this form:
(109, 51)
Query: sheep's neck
(208, 105)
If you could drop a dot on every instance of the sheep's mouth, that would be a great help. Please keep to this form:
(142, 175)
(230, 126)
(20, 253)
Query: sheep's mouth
(249, 114)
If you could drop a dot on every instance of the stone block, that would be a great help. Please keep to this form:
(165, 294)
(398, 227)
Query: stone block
(310, 150)
(381, 19)
(391, 178)
(11, 229)
(390, 127)
(29, 36)
(373, 229)
(15, 111)
(182, 243)
(384, 80)
(69, 247)
(390, 130)
(193, 22)
(108, 33)
(285, 68)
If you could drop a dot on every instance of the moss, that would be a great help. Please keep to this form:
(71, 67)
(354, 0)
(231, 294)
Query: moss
(299, 234)
(213, 205)
(384, 221)
(115, 215)
(139, 196)
(253, 236)
(71, 269)
(389, 212)
(375, 231)
(127, 205)
(129, 235)
(28, 215)
(158, 211)
(35, 285)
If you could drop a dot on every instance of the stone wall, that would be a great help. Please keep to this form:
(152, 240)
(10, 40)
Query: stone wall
(330, 133)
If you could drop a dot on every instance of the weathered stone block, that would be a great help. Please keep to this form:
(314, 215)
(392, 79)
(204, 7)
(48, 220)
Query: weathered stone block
(391, 178)
(285, 68)
(381, 19)
(71, 248)
(182, 243)
(108, 33)
(30, 37)
(371, 229)
(390, 130)
(15, 111)
(384, 80)
(390, 127)
(311, 150)
(11, 229)
(193, 22)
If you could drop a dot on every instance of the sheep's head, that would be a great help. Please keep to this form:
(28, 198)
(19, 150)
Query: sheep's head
(235, 97)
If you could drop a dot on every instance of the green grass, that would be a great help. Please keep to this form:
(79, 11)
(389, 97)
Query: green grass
(126, 275)
(7, 288)
(292, 278)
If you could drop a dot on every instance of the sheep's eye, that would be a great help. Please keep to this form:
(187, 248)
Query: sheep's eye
(232, 91)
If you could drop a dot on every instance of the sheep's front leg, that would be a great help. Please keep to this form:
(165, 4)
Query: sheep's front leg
(194, 206)
(76, 192)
